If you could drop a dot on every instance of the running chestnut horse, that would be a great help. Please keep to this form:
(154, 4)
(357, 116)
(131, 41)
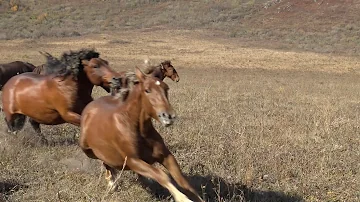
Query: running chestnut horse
(60, 95)
(121, 134)
(11, 69)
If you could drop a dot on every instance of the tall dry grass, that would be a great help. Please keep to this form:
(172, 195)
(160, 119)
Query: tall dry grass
(241, 135)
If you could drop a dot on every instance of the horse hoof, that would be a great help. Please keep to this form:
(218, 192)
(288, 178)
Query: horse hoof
(44, 141)
(12, 132)
(76, 136)
(182, 198)
(112, 188)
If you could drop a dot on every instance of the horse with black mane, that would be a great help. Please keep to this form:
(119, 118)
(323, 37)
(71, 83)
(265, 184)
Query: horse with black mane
(11, 69)
(60, 95)
(120, 133)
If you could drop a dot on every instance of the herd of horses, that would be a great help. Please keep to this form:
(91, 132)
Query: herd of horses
(116, 129)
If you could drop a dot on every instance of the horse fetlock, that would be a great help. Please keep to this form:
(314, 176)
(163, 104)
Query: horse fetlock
(12, 132)
(112, 187)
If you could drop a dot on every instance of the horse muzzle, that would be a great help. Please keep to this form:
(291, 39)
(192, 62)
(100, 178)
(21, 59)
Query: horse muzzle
(166, 119)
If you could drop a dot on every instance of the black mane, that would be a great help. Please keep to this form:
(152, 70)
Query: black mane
(69, 62)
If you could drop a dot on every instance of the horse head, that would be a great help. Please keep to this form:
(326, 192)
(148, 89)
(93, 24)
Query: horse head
(169, 70)
(99, 72)
(156, 101)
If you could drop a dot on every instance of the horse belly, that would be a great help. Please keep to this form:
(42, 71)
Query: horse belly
(48, 118)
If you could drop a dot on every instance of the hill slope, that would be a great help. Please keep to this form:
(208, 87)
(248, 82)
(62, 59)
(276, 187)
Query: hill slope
(312, 25)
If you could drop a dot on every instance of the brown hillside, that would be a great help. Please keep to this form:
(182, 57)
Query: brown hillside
(327, 26)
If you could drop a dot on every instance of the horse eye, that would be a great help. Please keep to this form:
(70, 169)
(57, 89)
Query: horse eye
(96, 66)
(147, 91)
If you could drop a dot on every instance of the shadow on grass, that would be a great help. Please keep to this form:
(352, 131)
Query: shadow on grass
(52, 138)
(8, 187)
(215, 189)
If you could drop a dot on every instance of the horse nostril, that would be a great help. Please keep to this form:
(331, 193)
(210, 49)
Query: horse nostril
(166, 115)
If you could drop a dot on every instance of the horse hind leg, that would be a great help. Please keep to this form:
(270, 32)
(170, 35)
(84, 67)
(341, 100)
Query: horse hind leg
(9, 124)
(15, 123)
(35, 125)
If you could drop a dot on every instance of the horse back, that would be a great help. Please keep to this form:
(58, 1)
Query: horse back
(12, 69)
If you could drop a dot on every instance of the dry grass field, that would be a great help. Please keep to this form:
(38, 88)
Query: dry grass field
(259, 120)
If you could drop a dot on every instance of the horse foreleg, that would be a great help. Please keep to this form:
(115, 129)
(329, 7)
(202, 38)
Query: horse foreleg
(110, 176)
(173, 167)
(71, 117)
(157, 174)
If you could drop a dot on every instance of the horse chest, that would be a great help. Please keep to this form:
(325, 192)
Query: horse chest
(148, 150)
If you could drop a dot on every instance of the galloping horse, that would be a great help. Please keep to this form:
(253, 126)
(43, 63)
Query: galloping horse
(11, 69)
(161, 71)
(164, 69)
(122, 136)
(60, 95)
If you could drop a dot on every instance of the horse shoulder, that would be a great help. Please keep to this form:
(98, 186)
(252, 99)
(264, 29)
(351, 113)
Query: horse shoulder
(57, 92)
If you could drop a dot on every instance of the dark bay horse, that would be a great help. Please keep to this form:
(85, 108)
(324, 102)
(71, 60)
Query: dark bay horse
(60, 95)
(11, 69)
(163, 70)
(122, 136)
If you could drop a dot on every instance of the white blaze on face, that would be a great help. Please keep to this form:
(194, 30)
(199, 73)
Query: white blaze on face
(157, 83)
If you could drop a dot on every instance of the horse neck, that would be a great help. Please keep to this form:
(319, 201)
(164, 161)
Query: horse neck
(84, 86)
(158, 73)
(134, 105)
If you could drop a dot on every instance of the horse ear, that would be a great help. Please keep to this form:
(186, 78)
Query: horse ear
(85, 62)
(139, 74)
(147, 61)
